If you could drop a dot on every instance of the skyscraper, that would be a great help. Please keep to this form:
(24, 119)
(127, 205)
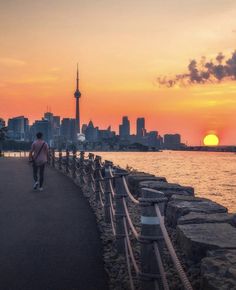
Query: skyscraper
(68, 129)
(77, 95)
(141, 127)
(124, 128)
(18, 128)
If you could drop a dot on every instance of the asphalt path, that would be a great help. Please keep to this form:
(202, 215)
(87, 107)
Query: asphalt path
(48, 240)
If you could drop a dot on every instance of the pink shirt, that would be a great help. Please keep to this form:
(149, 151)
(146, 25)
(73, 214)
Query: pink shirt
(42, 157)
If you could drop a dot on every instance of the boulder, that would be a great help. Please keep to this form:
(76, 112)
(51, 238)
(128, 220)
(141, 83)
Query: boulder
(218, 270)
(178, 208)
(134, 181)
(168, 189)
(196, 239)
(201, 218)
(180, 197)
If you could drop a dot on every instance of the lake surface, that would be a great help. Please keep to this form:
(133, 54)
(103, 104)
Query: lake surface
(212, 174)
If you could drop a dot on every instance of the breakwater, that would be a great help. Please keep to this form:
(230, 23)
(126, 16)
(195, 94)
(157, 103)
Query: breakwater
(156, 234)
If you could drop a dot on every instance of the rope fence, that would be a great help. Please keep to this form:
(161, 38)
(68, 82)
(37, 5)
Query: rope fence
(109, 185)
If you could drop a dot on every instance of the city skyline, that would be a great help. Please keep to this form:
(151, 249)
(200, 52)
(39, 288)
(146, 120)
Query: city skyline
(63, 133)
(123, 49)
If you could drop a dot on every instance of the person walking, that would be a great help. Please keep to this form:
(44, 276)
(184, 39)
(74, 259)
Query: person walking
(39, 155)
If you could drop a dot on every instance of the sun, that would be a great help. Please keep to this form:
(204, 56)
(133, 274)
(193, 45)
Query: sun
(211, 140)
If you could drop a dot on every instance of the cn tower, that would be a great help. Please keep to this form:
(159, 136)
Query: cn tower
(77, 95)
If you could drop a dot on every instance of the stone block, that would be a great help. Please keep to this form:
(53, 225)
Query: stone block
(196, 239)
(218, 270)
(169, 189)
(134, 181)
(201, 218)
(178, 208)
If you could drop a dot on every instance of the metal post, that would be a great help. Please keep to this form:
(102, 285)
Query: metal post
(150, 232)
(120, 193)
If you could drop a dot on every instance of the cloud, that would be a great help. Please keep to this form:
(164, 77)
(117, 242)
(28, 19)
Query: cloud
(203, 71)
(6, 61)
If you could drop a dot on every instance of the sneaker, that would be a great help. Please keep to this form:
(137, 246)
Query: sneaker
(36, 185)
(40, 189)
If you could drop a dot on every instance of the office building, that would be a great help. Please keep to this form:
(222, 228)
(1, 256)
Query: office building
(124, 128)
(140, 128)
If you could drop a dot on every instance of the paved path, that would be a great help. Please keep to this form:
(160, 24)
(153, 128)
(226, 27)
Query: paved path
(48, 240)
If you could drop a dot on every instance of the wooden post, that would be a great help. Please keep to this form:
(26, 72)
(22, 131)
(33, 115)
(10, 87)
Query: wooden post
(107, 192)
(120, 193)
(60, 160)
(150, 232)
(67, 160)
(53, 158)
(91, 179)
(74, 164)
(81, 167)
(91, 156)
(97, 176)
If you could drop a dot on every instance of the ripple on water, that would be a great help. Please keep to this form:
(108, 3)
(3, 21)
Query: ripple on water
(207, 172)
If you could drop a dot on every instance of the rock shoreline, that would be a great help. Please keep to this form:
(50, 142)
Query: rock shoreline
(202, 232)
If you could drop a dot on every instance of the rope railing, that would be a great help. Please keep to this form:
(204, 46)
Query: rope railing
(171, 249)
(128, 192)
(109, 186)
(127, 215)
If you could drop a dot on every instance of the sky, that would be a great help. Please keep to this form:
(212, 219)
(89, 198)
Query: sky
(122, 47)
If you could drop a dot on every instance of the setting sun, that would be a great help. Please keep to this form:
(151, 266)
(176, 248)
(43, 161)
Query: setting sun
(211, 140)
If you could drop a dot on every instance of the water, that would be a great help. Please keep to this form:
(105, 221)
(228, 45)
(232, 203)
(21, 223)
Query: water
(212, 174)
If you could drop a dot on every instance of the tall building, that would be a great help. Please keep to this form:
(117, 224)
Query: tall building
(56, 126)
(91, 132)
(124, 128)
(48, 116)
(2, 123)
(77, 95)
(68, 129)
(18, 128)
(42, 126)
(172, 141)
(152, 139)
(140, 129)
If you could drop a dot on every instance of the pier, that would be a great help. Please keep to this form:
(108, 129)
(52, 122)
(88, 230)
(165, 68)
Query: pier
(153, 234)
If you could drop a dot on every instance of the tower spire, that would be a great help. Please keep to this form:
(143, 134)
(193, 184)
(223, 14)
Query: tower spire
(77, 79)
(77, 96)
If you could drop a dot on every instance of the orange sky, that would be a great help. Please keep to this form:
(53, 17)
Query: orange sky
(121, 47)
